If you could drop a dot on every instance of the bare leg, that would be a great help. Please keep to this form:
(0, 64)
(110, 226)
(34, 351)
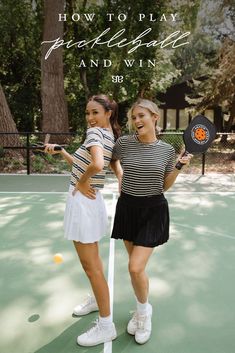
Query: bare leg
(92, 265)
(138, 258)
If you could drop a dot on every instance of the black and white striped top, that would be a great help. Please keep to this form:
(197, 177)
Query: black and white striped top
(82, 158)
(144, 165)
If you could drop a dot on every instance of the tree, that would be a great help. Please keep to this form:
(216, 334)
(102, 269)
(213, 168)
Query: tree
(54, 105)
(20, 28)
(7, 125)
(219, 89)
(208, 60)
(139, 78)
(216, 21)
(188, 60)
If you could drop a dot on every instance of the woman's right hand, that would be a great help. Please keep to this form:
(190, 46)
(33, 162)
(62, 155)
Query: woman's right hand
(49, 148)
(86, 189)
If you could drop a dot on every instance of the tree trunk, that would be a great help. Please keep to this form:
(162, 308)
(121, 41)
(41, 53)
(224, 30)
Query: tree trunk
(7, 124)
(77, 37)
(54, 105)
(228, 124)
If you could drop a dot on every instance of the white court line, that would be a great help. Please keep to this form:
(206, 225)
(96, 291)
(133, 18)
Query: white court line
(167, 193)
(34, 174)
(201, 193)
(222, 235)
(34, 192)
(108, 345)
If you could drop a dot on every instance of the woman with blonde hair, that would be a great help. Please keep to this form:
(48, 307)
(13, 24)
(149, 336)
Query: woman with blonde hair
(142, 216)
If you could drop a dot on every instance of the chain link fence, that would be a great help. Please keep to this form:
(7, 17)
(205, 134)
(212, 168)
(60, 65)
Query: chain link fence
(21, 159)
(219, 158)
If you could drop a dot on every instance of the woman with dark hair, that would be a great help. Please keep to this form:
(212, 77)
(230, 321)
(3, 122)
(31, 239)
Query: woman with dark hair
(85, 218)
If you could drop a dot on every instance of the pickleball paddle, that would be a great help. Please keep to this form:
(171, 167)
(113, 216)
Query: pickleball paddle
(198, 136)
(41, 146)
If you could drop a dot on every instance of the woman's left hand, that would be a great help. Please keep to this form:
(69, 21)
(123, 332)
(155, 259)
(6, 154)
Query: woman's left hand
(185, 159)
(49, 148)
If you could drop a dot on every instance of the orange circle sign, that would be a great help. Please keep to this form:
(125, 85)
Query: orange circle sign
(200, 134)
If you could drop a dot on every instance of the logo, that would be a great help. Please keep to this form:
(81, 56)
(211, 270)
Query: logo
(200, 134)
(117, 79)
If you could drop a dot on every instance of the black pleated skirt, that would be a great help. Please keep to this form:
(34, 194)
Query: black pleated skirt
(142, 220)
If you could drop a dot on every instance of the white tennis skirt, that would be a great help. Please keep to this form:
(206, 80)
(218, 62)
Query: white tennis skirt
(85, 220)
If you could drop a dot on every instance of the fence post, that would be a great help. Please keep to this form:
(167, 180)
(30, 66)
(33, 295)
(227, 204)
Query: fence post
(28, 154)
(203, 163)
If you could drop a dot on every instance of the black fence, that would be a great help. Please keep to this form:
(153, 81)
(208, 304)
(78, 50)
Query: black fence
(220, 157)
(23, 143)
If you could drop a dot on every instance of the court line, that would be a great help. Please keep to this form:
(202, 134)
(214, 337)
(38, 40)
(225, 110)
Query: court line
(34, 192)
(108, 345)
(167, 193)
(201, 193)
(222, 235)
(34, 174)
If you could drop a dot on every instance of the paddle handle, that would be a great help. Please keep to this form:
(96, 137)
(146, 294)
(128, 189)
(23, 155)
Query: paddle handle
(179, 165)
(57, 148)
(41, 148)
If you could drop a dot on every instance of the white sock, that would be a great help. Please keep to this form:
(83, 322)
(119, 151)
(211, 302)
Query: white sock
(142, 308)
(105, 321)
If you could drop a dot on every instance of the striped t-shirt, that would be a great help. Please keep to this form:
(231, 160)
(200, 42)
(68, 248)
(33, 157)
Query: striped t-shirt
(82, 158)
(144, 165)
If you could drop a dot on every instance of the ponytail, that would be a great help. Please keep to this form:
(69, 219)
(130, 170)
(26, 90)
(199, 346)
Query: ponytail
(114, 120)
(108, 105)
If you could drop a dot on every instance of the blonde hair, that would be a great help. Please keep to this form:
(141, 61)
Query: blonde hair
(146, 104)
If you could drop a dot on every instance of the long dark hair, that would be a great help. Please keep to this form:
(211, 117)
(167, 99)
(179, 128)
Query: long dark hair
(108, 105)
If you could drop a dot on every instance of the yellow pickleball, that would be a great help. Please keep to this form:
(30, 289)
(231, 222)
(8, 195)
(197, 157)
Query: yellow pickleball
(58, 258)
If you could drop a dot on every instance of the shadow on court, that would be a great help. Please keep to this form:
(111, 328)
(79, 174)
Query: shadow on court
(191, 277)
(66, 341)
(191, 286)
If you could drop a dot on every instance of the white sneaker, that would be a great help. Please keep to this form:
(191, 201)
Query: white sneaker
(89, 305)
(97, 335)
(132, 324)
(144, 327)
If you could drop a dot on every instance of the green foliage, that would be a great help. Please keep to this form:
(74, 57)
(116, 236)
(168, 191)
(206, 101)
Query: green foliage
(196, 59)
(45, 163)
(10, 164)
(173, 139)
(137, 80)
(187, 11)
(1, 152)
(38, 164)
(74, 145)
(21, 24)
(20, 54)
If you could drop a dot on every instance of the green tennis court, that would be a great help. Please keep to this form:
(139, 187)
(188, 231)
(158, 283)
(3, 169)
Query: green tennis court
(191, 277)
